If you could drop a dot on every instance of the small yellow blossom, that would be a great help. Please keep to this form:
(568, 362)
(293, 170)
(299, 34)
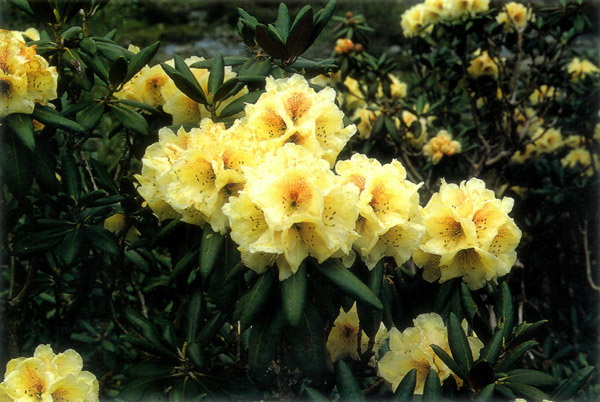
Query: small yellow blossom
(469, 235)
(411, 349)
(409, 118)
(483, 64)
(344, 46)
(365, 117)
(548, 141)
(543, 94)
(25, 77)
(343, 339)
(49, 377)
(579, 69)
(516, 15)
(388, 204)
(413, 20)
(528, 153)
(574, 141)
(440, 145)
(581, 157)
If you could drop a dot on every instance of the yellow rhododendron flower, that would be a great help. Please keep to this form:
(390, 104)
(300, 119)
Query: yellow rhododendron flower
(581, 157)
(25, 77)
(354, 98)
(579, 69)
(192, 174)
(292, 112)
(411, 349)
(482, 64)
(343, 46)
(543, 94)
(435, 10)
(528, 122)
(185, 110)
(397, 88)
(366, 117)
(574, 141)
(146, 86)
(49, 377)
(292, 206)
(469, 235)
(409, 118)
(516, 15)
(414, 19)
(388, 204)
(342, 341)
(548, 141)
(521, 156)
(440, 145)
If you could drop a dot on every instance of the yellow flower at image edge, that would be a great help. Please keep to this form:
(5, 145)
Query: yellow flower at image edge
(410, 349)
(25, 77)
(50, 377)
(469, 235)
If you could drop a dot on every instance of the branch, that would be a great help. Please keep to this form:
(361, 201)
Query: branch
(586, 250)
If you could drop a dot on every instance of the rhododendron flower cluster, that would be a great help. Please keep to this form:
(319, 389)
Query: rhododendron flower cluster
(430, 12)
(440, 145)
(579, 69)
(48, 377)
(483, 64)
(25, 77)
(516, 15)
(410, 349)
(469, 235)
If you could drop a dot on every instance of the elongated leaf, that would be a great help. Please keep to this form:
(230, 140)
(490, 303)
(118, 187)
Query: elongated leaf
(238, 105)
(406, 388)
(513, 356)
(217, 72)
(370, 318)
(17, 165)
(524, 330)
(347, 385)
(263, 343)
(283, 21)
(345, 280)
(139, 60)
(193, 314)
(138, 105)
(102, 176)
(210, 249)
(71, 178)
(45, 172)
(491, 351)
(270, 43)
(527, 391)
(23, 5)
(432, 390)
(209, 330)
(22, 125)
(131, 119)
(480, 375)
(254, 301)
(196, 354)
(191, 88)
(117, 72)
(89, 45)
(183, 264)
(321, 19)
(506, 310)
(307, 343)
(299, 37)
(40, 241)
(569, 388)
(185, 71)
(313, 394)
(446, 359)
(101, 239)
(486, 393)
(71, 246)
(469, 305)
(149, 332)
(293, 295)
(532, 377)
(459, 345)
(228, 60)
(49, 116)
(230, 87)
(95, 65)
(90, 116)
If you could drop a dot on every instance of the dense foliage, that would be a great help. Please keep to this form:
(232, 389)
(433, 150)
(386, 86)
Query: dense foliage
(276, 226)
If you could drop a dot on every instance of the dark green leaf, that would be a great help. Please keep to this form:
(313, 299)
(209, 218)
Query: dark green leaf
(532, 377)
(102, 176)
(183, 264)
(446, 359)
(71, 178)
(189, 87)
(196, 354)
(42, 9)
(89, 45)
(506, 310)
(90, 116)
(17, 166)
(513, 356)
(569, 388)
(270, 43)
(101, 240)
(49, 116)
(71, 246)
(149, 332)
(217, 73)
(314, 395)
(239, 104)
(40, 241)
(307, 342)
(95, 65)
(138, 105)
(255, 300)
(228, 88)
(406, 388)
(432, 390)
(486, 393)
(22, 125)
(527, 391)
(193, 314)
(130, 119)
(283, 21)
(299, 37)
(491, 351)
(350, 284)
(347, 385)
(118, 72)
(524, 330)
(263, 343)
(228, 60)
(480, 376)
(140, 59)
(23, 5)
(45, 172)
(210, 249)
(258, 68)
(209, 330)
(321, 19)
(293, 295)
(459, 345)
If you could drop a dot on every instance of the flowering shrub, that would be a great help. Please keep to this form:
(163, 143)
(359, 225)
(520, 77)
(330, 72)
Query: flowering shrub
(279, 226)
